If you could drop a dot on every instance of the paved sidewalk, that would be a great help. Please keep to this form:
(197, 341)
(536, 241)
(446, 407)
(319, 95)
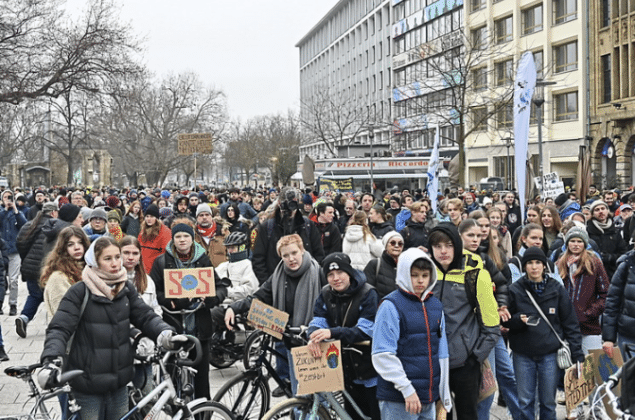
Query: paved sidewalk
(25, 351)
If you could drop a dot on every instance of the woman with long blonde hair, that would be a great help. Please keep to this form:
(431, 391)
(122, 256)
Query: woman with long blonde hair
(359, 243)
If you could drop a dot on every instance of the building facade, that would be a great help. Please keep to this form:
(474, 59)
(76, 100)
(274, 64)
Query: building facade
(555, 32)
(612, 62)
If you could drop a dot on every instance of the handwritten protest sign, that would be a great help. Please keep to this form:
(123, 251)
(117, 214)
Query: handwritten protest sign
(577, 388)
(189, 283)
(318, 374)
(267, 318)
(603, 367)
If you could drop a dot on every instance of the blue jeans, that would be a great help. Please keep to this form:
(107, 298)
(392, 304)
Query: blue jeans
(282, 366)
(110, 406)
(540, 371)
(36, 296)
(391, 410)
(501, 363)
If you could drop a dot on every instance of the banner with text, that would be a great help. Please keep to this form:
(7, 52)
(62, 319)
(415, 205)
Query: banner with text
(318, 374)
(341, 185)
(267, 318)
(189, 283)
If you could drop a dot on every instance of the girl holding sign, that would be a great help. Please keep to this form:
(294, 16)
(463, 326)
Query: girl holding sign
(182, 253)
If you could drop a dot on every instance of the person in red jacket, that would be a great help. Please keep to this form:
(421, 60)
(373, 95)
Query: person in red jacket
(154, 237)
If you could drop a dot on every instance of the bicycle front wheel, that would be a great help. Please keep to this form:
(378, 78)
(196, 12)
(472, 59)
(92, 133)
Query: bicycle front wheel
(296, 409)
(210, 410)
(246, 395)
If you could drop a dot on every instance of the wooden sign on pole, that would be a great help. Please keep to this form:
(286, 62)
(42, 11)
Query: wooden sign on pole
(189, 283)
(191, 143)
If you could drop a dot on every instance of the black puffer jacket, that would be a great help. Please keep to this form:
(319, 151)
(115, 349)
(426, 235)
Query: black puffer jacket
(330, 236)
(31, 249)
(384, 280)
(380, 229)
(610, 243)
(51, 230)
(619, 310)
(414, 234)
(101, 345)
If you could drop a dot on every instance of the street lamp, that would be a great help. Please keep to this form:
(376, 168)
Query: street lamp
(508, 141)
(539, 100)
(371, 135)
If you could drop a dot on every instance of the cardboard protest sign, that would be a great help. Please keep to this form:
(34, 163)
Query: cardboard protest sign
(267, 318)
(603, 367)
(189, 283)
(321, 374)
(577, 388)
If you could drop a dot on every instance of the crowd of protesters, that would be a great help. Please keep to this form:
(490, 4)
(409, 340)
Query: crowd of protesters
(433, 294)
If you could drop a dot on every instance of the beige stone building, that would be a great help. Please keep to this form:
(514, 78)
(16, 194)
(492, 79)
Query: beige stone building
(612, 93)
(555, 32)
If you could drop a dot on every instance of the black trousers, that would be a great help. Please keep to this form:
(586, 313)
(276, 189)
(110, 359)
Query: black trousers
(465, 382)
(365, 398)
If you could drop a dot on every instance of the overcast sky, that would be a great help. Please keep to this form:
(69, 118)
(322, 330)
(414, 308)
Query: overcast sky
(244, 47)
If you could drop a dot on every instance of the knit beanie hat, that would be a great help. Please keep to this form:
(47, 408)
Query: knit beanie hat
(598, 203)
(533, 253)
(68, 212)
(338, 261)
(165, 212)
(393, 234)
(560, 199)
(165, 194)
(577, 232)
(306, 199)
(98, 213)
(152, 210)
(112, 201)
(182, 227)
(114, 215)
(62, 200)
(203, 208)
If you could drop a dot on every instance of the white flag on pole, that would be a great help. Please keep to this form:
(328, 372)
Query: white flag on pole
(433, 166)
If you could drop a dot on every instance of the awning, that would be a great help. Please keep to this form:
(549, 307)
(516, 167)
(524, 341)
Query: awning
(564, 159)
(375, 176)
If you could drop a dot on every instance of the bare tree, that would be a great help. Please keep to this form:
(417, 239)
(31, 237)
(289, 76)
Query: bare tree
(457, 84)
(334, 117)
(142, 120)
(282, 138)
(45, 54)
(20, 133)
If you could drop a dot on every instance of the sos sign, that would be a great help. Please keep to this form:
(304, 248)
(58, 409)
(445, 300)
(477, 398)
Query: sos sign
(189, 283)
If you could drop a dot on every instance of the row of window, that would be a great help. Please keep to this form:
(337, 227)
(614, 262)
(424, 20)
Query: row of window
(424, 139)
(563, 11)
(565, 109)
(430, 31)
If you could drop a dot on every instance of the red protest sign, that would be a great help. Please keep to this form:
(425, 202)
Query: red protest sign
(189, 283)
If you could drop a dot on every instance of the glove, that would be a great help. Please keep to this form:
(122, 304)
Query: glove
(145, 347)
(48, 376)
(170, 341)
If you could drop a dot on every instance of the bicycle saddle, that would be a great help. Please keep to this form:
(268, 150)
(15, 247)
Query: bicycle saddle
(21, 371)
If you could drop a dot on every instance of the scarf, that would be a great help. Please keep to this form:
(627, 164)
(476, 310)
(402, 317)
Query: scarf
(209, 232)
(116, 233)
(539, 287)
(602, 226)
(102, 283)
(572, 263)
(305, 294)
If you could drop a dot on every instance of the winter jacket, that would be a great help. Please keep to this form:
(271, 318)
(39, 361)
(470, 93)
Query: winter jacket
(150, 250)
(131, 225)
(513, 218)
(265, 257)
(619, 310)
(56, 287)
(330, 236)
(380, 229)
(567, 209)
(588, 295)
(384, 278)
(242, 277)
(203, 317)
(410, 347)
(31, 249)
(360, 250)
(350, 316)
(610, 243)
(214, 248)
(10, 222)
(33, 211)
(246, 210)
(4, 260)
(101, 344)
(92, 234)
(540, 340)
(500, 282)
(414, 234)
(51, 230)
(470, 332)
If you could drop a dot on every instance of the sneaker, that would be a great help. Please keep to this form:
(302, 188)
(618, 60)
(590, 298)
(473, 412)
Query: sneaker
(560, 398)
(20, 327)
(3, 355)
(13, 311)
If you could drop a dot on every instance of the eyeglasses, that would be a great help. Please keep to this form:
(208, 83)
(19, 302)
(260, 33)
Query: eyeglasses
(395, 243)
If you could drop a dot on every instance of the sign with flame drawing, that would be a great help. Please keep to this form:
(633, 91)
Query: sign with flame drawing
(319, 374)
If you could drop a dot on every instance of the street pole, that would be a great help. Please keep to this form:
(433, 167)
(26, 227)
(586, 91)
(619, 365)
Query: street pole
(371, 135)
(539, 100)
(508, 140)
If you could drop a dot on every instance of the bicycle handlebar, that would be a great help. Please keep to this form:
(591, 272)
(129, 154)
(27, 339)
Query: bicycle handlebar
(182, 311)
(197, 347)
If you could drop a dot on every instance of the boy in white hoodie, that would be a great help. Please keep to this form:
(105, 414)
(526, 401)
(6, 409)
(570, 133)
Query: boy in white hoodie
(412, 376)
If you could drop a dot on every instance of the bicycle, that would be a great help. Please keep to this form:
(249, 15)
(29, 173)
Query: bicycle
(165, 393)
(227, 347)
(248, 394)
(606, 389)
